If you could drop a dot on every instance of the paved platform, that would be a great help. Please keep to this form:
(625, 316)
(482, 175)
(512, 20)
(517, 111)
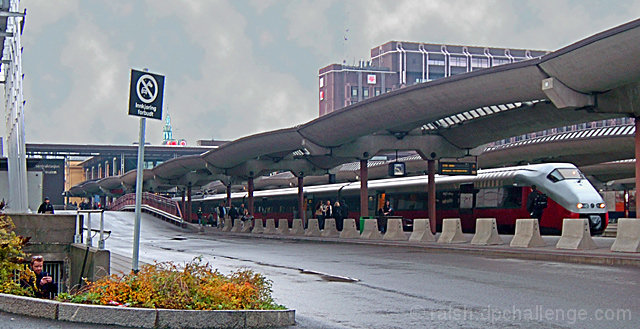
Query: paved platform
(602, 255)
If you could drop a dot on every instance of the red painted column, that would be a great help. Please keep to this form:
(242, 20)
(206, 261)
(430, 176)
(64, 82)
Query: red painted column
(182, 205)
(229, 195)
(250, 190)
(301, 213)
(364, 190)
(189, 203)
(637, 135)
(431, 193)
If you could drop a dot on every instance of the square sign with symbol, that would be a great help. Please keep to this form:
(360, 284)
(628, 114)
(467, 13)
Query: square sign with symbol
(145, 94)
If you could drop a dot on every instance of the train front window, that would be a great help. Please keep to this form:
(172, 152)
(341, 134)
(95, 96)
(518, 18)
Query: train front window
(564, 173)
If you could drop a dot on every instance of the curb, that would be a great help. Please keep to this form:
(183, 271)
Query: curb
(145, 317)
(543, 254)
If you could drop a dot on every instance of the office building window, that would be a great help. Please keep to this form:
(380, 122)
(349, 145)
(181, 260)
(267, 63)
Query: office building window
(365, 92)
(500, 61)
(377, 91)
(354, 92)
(479, 62)
(435, 61)
(388, 90)
(458, 61)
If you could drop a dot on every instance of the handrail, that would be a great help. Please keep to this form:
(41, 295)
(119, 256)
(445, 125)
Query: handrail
(156, 201)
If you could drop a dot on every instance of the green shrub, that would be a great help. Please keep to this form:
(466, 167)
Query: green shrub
(12, 260)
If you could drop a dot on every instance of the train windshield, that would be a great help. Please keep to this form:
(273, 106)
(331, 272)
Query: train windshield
(565, 173)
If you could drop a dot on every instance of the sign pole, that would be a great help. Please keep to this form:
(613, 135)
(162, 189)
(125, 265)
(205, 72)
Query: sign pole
(145, 101)
(139, 180)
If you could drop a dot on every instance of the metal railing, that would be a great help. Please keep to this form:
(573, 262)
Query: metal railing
(156, 201)
(89, 230)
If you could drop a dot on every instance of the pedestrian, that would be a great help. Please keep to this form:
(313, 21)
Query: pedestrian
(222, 211)
(46, 207)
(320, 214)
(536, 202)
(199, 214)
(233, 214)
(43, 285)
(338, 215)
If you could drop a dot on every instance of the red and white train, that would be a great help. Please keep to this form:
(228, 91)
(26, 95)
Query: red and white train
(494, 193)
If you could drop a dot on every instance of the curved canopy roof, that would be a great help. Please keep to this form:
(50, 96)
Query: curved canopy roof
(593, 79)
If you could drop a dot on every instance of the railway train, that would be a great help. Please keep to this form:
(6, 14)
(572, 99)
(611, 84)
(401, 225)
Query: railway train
(499, 193)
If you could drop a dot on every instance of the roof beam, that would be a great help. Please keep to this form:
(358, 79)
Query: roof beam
(565, 97)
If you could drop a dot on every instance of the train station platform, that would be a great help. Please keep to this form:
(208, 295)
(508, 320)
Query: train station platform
(602, 255)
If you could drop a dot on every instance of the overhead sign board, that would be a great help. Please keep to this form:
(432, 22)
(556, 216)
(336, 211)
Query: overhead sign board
(145, 94)
(457, 168)
(397, 169)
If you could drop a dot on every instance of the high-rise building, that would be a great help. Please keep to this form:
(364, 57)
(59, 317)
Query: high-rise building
(397, 64)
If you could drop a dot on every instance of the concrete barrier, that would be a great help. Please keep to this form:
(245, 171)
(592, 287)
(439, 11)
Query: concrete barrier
(258, 227)
(628, 235)
(394, 230)
(486, 232)
(227, 225)
(237, 226)
(297, 228)
(576, 235)
(371, 230)
(451, 231)
(270, 227)
(349, 230)
(330, 230)
(247, 226)
(527, 234)
(313, 228)
(41, 308)
(283, 226)
(422, 231)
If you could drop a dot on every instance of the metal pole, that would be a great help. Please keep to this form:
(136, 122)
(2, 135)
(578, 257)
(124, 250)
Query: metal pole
(101, 242)
(250, 192)
(364, 190)
(139, 172)
(431, 193)
(301, 213)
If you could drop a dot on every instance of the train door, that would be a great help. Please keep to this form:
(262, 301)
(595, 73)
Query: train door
(467, 206)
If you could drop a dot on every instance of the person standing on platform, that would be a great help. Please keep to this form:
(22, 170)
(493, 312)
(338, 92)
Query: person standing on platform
(222, 211)
(46, 207)
(536, 202)
(320, 210)
(233, 214)
(199, 214)
(338, 215)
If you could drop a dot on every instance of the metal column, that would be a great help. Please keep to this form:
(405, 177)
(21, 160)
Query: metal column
(301, 213)
(431, 193)
(637, 137)
(364, 191)
(182, 205)
(229, 195)
(250, 192)
(189, 202)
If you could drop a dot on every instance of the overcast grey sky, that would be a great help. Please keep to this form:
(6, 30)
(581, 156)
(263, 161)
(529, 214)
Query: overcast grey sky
(235, 68)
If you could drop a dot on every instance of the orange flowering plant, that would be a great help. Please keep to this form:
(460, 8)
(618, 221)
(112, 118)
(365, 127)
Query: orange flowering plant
(194, 286)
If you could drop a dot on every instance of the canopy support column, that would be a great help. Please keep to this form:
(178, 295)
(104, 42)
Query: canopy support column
(637, 138)
(229, 195)
(431, 193)
(301, 213)
(182, 205)
(250, 191)
(364, 191)
(189, 202)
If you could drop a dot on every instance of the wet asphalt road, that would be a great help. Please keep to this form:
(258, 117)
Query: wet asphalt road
(333, 285)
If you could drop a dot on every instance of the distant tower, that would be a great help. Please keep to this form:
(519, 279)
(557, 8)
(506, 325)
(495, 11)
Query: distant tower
(167, 134)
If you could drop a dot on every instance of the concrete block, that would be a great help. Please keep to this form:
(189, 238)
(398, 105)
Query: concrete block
(227, 225)
(283, 226)
(178, 319)
(269, 319)
(394, 230)
(41, 308)
(237, 226)
(258, 228)
(628, 236)
(313, 228)
(107, 315)
(422, 231)
(349, 230)
(270, 228)
(297, 228)
(371, 230)
(451, 231)
(527, 234)
(576, 235)
(330, 230)
(247, 226)
(486, 232)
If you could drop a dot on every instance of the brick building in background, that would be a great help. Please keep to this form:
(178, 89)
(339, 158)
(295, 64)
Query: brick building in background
(397, 64)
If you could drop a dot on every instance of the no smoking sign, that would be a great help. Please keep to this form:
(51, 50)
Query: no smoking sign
(145, 94)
